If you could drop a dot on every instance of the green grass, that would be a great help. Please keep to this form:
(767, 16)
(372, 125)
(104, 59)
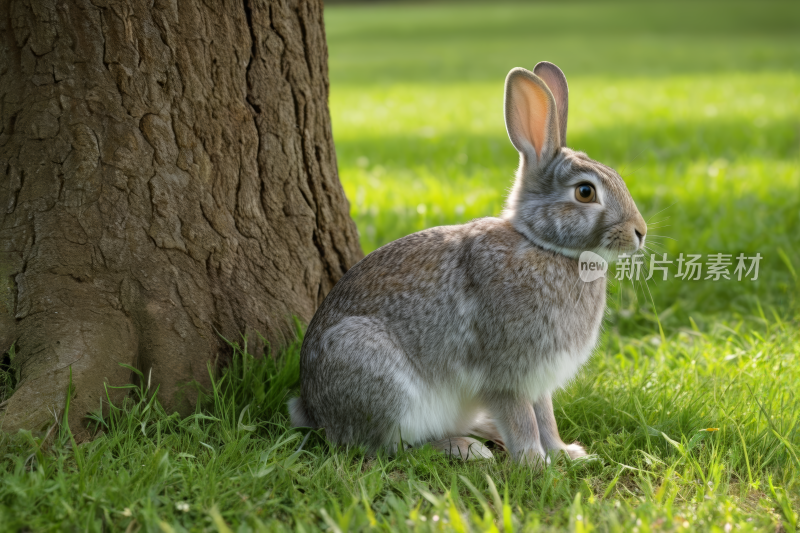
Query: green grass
(643, 408)
(696, 104)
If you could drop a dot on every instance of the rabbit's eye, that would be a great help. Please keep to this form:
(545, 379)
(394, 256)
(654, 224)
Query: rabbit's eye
(585, 193)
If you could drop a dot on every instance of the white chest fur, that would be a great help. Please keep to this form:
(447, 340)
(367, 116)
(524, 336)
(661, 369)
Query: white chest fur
(451, 406)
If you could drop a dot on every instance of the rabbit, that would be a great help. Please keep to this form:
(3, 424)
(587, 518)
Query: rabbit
(469, 329)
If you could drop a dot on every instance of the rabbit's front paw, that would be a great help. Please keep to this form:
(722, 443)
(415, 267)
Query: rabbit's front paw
(535, 458)
(575, 450)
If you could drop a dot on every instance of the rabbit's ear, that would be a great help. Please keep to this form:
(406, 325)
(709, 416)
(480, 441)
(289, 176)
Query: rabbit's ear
(557, 83)
(531, 117)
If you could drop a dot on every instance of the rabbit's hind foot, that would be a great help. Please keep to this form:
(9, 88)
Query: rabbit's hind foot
(464, 448)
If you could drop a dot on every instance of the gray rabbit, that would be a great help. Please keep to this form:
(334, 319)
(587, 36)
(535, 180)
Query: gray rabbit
(468, 330)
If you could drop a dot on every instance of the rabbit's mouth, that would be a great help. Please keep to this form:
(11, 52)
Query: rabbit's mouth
(625, 238)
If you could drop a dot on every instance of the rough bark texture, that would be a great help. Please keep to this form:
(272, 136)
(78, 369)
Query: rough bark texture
(168, 175)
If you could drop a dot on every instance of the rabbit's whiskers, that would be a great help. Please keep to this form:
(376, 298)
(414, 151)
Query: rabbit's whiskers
(662, 236)
(670, 205)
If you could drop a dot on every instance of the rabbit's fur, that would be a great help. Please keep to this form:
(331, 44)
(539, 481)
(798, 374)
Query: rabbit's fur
(468, 330)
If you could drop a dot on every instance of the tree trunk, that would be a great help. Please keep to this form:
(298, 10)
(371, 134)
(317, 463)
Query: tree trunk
(168, 176)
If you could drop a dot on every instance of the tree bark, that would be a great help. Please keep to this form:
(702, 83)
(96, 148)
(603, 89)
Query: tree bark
(168, 176)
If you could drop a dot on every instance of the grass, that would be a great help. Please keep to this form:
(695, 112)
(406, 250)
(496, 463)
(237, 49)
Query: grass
(690, 405)
(696, 432)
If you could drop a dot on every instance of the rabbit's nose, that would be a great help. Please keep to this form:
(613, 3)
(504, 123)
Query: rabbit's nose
(640, 236)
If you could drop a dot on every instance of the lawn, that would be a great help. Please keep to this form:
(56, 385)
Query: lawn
(690, 406)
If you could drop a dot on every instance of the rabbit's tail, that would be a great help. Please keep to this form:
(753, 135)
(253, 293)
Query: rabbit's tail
(297, 412)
